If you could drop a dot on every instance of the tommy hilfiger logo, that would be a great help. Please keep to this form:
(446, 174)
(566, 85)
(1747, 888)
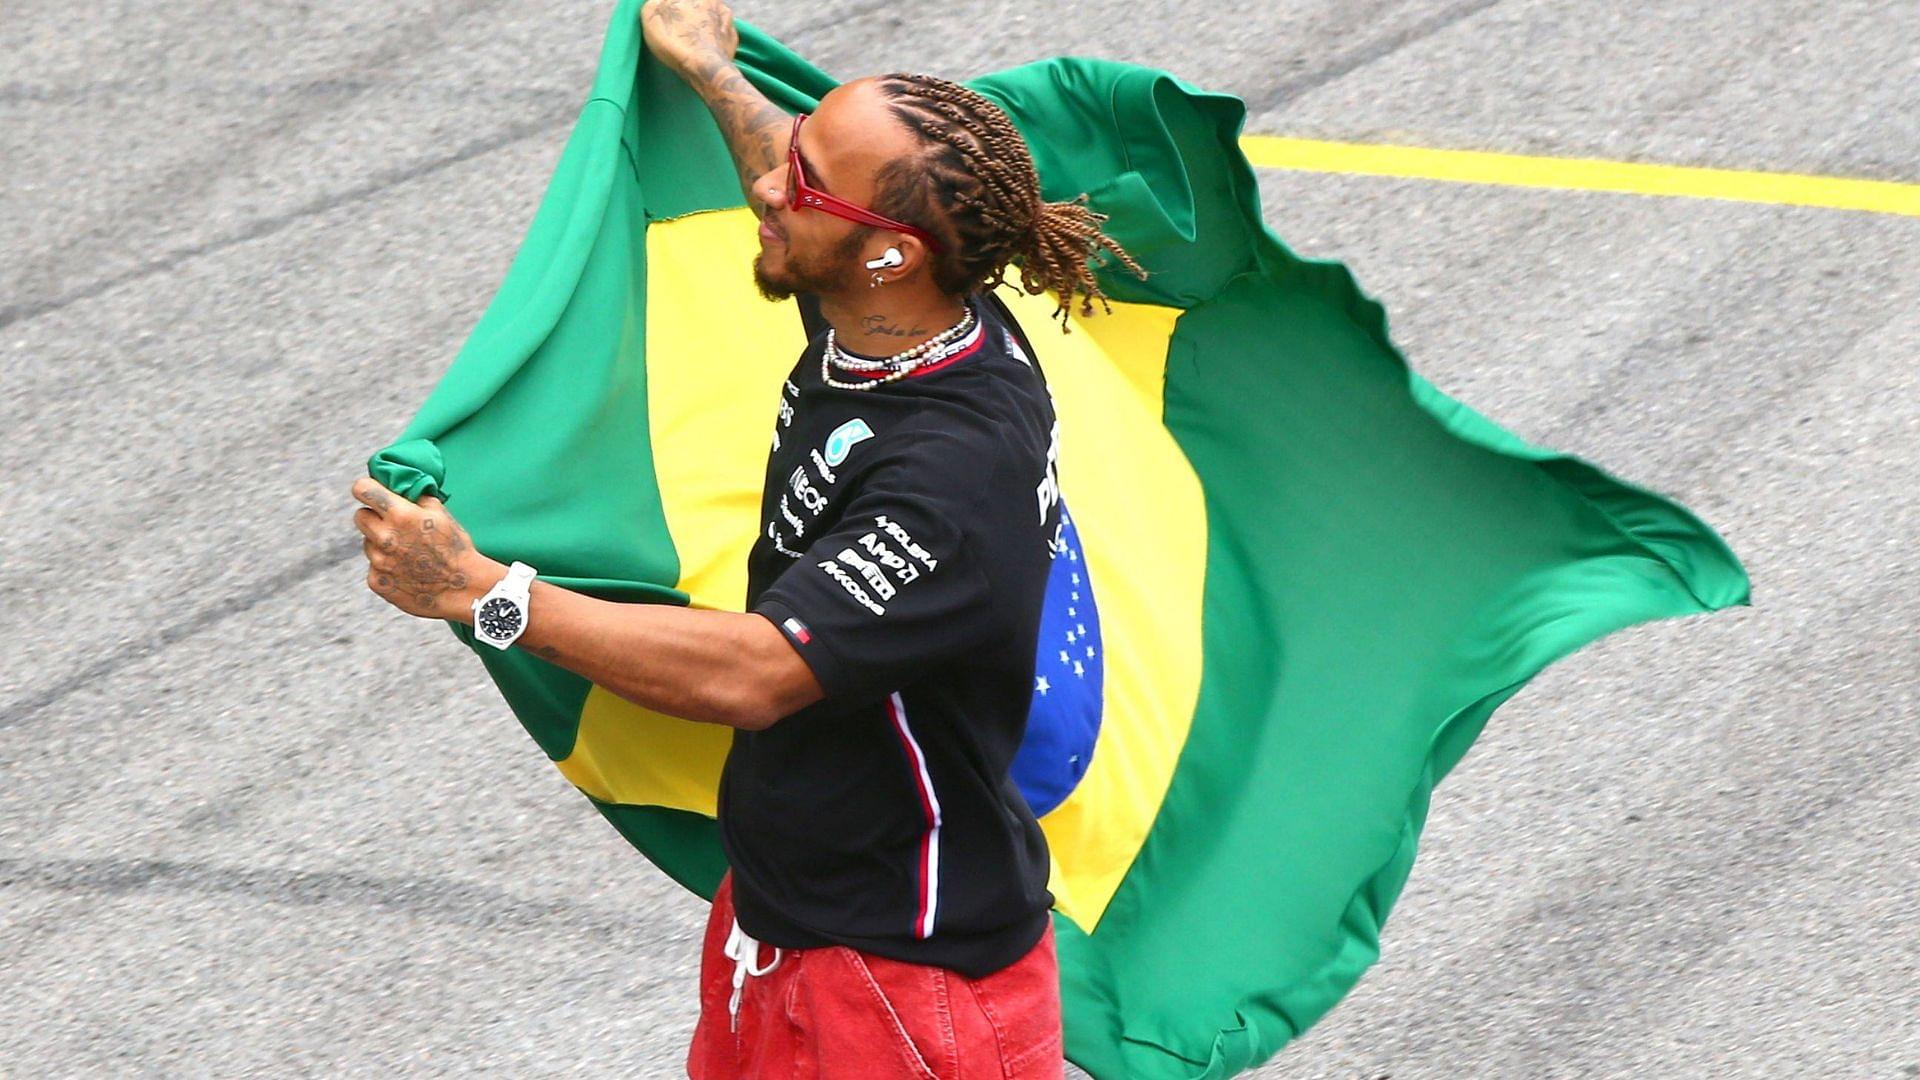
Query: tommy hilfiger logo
(799, 630)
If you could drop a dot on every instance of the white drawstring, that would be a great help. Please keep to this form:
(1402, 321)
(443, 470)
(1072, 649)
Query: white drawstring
(744, 951)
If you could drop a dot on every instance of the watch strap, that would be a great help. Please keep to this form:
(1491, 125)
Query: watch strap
(519, 579)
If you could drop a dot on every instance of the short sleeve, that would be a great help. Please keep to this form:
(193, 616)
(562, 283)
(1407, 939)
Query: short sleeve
(897, 588)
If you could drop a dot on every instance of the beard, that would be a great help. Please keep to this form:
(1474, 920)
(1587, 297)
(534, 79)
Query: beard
(825, 273)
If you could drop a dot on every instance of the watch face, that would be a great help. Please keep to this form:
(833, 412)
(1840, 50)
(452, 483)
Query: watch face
(499, 618)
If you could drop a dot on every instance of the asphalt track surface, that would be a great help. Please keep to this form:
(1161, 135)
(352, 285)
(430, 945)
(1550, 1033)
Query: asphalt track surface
(254, 821)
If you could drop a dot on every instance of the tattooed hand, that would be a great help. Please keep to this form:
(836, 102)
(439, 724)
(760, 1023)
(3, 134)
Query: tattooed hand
(419, 559)
(690, 36)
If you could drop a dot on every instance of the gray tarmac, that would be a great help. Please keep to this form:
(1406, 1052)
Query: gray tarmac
(255, 821)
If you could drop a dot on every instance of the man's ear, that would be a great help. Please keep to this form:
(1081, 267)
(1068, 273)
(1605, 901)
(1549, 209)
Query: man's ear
(896, 257)
(914, 254)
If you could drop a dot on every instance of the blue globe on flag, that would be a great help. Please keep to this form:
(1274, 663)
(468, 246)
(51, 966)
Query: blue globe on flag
(1063, 721)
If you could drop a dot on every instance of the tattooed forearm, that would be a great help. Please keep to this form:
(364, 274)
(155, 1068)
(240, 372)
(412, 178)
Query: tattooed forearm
(755, 128)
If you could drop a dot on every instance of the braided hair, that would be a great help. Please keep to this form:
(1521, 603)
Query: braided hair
(974, 185)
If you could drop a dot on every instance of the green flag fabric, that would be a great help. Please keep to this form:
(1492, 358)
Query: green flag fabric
(1300, 578)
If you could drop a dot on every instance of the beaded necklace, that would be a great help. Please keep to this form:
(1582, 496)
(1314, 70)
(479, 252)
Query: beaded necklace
(897, 366)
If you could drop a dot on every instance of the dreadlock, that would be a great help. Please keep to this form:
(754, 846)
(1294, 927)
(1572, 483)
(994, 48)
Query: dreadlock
(975, 186)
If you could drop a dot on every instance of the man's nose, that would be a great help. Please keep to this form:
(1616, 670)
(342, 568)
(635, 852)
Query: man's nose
(773, 188)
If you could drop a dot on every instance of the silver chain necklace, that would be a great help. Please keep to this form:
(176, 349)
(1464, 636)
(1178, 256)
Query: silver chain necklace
(897, 366)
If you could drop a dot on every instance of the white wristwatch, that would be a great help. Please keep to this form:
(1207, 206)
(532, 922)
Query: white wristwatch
(500, 617)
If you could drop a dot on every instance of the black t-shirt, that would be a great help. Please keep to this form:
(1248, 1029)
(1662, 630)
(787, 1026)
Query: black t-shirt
(906, 535)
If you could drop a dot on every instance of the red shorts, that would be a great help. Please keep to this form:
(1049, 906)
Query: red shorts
(835, 1012)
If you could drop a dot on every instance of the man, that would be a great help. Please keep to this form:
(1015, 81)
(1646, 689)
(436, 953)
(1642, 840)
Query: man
(886, 911)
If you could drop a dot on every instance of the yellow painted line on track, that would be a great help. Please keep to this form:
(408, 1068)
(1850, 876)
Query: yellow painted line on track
(1581, 174)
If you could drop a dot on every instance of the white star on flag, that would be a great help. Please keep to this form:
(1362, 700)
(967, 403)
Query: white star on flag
(1076, 675)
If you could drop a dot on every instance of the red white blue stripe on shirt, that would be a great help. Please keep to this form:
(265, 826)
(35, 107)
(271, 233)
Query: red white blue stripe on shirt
(929, 870)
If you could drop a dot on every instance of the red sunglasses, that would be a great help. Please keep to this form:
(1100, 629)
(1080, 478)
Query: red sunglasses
(802, 197)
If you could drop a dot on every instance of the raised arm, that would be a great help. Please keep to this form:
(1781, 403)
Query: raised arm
(697, 39)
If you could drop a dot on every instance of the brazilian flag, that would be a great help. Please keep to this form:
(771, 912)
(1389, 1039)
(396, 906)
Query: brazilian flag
(1298, 580)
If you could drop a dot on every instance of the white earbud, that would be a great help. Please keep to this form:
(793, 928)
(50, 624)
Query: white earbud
(891, 258)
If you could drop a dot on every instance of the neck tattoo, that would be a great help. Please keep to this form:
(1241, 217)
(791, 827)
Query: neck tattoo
(897, 366)
(878, 324)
